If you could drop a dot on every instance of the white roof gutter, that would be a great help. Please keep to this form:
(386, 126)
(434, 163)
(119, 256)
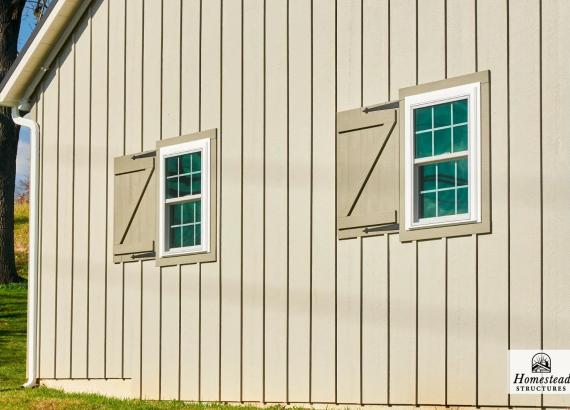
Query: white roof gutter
(40, 51)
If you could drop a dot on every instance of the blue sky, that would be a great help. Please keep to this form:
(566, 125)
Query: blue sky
(23, 158)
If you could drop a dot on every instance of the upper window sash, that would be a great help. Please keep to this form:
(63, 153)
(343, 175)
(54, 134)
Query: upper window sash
(471, 92)
(202, 146)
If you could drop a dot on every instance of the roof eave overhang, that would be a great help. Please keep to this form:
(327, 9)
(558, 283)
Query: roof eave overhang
(40, 51)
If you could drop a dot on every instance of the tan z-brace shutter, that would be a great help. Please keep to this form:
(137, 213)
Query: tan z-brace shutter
(135, 206)
(367, 167)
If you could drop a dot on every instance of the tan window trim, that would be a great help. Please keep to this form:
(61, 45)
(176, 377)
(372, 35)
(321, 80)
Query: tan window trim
(211, 255)
(459, 228)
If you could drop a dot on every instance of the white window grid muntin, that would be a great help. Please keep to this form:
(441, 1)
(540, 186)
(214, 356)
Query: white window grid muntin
(177, 177)
(471, 92)
(437, 190)
(191, 225)
(202, 146)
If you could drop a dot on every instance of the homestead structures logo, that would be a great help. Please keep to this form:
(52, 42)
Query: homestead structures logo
(541, 363)
(543, 372)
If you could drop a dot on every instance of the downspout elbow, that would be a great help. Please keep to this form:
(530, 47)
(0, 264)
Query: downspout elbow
(33, 251)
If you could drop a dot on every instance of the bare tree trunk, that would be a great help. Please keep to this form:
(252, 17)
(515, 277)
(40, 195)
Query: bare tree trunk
(10, 17)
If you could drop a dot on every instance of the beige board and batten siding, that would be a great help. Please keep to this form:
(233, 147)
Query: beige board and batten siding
(287, 312)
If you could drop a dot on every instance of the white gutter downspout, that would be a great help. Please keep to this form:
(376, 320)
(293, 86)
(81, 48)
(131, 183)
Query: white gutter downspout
(33, 231)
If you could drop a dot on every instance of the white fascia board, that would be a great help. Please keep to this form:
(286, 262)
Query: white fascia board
(39, 54)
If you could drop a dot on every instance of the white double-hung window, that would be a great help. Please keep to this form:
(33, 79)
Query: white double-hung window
(442, 157)
(184, 198)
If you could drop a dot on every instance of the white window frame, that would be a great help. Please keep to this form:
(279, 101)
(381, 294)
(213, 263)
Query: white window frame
(202, 146)
(411, 193)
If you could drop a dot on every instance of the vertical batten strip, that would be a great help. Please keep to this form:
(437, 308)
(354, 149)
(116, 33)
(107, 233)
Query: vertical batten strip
(541, 182)
(299, 200)
(211, 118)
(349, 336)
(107, 203)
(170, 303)
(47, 325)
(508, 16)
(461, 277)
(322, 297)
(525, 182)
(161, 271)
(431, 66)
(388, 300)
(374, 285)
(151, 120)
(493, 250)
(65, 206)
(220, 209)
(416, 384)
(38, 101)
(98, 204)
(476, 22)
(89, 179)
(336, 205)
(200, 330)
(276, 202)
(311, 204)
(556, 151)
(231, 169)
(190, 302)
(133, 135)
(78, 362)
(242, 159)
(288, 205)
(115, 113)
(56, 271)
(251, 253)
(71, 296)
(446, 394)
(263, 372)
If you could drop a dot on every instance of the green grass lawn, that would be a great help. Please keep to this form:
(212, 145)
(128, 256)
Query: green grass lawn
(13, 352)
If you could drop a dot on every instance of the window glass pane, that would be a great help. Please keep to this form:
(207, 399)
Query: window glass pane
(175, 237)
(462, 200)
(460, 111)
(198, 211)
(198, 234)
(460, 138)
(462, 172)
(188, 212)
(184, 164)
(427, 177)
(171, 188)
(427, 205)
(442, 186)
(188, 235)
(446, 202)
(196, 183)
(423, 145)
(171, 166)
(446, 174)
(196, 161)
(442, 143)
(184, 185)
(422, 119)
(175, 214)
(191, 212)
(442, 115)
